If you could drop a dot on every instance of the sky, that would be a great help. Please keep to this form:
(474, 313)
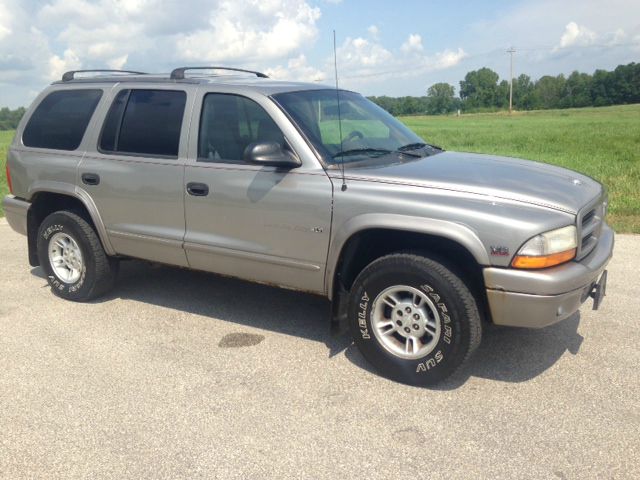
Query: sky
(388, 47)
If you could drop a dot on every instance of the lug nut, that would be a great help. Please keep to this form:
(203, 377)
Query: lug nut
(399, 312)
(416, 316)
(415, 326)
(399, 323)
(408, 310)
(407, 329)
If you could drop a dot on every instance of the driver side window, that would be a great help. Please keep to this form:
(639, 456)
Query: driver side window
(230, 123)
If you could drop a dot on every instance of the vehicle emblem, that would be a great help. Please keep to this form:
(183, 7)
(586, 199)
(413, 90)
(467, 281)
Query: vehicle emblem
(499, 251)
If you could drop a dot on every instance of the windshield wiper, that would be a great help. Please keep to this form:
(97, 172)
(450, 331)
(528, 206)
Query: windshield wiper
(416, 146)
(412, 146)
(361, 151)
(377, 152)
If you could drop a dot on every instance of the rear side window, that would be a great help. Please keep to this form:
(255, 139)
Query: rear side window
(144, 122)
(59, 122)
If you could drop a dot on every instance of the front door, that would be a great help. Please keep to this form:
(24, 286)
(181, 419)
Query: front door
(254, 222)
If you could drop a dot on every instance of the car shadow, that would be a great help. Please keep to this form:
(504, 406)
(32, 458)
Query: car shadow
(505, 354)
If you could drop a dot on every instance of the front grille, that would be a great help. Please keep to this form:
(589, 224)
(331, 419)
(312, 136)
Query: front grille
(590, 221)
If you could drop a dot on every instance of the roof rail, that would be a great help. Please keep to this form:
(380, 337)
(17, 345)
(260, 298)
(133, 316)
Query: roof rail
(68, 76)
(178, 73)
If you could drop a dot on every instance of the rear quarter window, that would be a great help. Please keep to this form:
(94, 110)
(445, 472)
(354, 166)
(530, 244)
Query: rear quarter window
(60, 120)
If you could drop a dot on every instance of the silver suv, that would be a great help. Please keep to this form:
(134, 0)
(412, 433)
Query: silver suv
(304, 187)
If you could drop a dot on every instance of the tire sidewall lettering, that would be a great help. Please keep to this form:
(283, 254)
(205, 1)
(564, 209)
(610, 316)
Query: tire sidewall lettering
(55, 282)
(50, 230)
(363, 324)
(446, 343)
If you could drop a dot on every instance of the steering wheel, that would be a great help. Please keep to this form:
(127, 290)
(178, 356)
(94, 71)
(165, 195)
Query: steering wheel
(355, 134)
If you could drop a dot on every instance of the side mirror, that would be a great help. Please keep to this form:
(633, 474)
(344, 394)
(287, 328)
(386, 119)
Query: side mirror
(270, 154)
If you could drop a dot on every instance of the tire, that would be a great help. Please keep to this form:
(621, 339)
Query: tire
(433, 304)
(82, 269)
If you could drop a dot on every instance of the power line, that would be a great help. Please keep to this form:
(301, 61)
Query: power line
(495, 51)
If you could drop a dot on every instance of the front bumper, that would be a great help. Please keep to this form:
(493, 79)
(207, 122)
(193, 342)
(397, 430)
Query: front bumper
(16, 212)
(535, 299)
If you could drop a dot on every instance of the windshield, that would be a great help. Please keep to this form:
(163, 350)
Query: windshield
(369, 134)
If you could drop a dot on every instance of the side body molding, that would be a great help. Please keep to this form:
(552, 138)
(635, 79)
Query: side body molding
(80, 194)
(440, 228)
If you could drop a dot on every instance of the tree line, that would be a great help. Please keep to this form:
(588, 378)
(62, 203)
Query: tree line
(9, 118)
(482, 91)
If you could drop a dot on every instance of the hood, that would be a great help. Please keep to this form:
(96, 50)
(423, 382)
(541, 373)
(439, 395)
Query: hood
(502, 177)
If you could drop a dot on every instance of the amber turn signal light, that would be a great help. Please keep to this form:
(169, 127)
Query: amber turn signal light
(543, 261)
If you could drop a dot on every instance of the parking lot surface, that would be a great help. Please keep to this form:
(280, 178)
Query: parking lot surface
(180, 374)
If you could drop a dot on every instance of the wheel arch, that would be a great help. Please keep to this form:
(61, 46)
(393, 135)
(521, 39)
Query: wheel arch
(404, 233)
(46, 199)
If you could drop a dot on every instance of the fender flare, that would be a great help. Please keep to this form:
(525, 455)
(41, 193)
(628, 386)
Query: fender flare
(456, 232)
(81, 195)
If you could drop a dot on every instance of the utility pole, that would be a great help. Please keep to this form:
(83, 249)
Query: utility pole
(511, 51)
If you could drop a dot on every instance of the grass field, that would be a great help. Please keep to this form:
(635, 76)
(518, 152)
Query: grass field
(601, 142)
(5, 139)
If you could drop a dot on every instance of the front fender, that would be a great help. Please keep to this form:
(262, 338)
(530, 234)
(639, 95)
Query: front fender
(440, 228)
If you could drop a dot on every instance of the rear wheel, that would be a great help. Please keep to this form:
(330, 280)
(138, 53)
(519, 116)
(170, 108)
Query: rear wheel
(73, 259)
(413, 319)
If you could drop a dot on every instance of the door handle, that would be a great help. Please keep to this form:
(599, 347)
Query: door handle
(90, 178)
(197, 189)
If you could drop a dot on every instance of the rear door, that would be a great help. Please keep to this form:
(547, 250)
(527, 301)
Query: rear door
(135, 175)
(255, 222)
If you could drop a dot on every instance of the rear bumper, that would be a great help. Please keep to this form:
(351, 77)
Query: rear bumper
(535, 299)
(16, 212)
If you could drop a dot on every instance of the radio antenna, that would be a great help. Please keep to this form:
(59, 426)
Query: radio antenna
(335, 67)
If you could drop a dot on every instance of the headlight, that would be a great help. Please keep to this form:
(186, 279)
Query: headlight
(548, 249)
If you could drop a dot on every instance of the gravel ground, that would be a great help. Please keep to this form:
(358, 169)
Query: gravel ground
(181, 374)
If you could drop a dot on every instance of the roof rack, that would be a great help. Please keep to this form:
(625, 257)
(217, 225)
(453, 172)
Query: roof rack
(178, 73)
(68, 76)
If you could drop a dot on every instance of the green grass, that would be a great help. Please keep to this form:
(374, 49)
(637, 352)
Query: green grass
(603, 143)
(5, 140)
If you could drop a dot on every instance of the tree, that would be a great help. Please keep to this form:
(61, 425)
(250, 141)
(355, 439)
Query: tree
(523, 92)
(599, 88)
(9, 119)
(479, 89)
(409, 105)
(624, 84)
(548, 91)
(577, 90)
(441, 99)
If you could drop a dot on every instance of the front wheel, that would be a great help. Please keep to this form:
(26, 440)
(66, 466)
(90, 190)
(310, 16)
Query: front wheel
(73, 259)
(413, 319)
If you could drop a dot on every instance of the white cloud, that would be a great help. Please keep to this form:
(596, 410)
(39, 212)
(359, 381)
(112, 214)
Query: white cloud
(358, 53)
(252, 31)
(575, 34)
(374, 31)
(5, 21)
(413, 44)
(118, 63)
(365, 60)
(40, 39)
(297, 69)
(109, 32)
(59, 65)
(447, 59)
